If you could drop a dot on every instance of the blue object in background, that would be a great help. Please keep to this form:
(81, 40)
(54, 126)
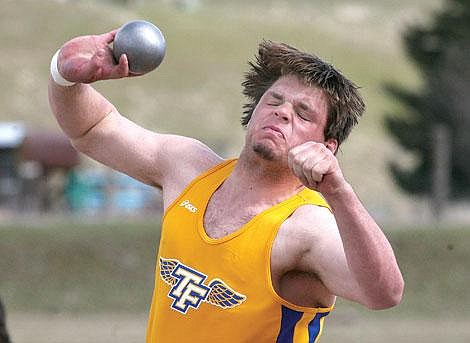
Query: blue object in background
(86, 190)
(130, 194)
(95, 190)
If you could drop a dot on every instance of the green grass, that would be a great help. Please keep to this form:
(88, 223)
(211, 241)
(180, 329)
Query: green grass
(435, 262)
(71, 267)
(99, 268)
(436, 268)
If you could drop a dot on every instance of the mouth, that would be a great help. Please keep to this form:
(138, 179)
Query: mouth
(275, 129)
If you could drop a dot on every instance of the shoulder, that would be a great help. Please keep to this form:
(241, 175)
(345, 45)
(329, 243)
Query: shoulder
(309, 228)
(311, 221)
(184, 159)
(188, 150)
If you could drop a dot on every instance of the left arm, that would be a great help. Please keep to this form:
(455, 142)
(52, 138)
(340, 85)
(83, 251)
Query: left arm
(367, 256)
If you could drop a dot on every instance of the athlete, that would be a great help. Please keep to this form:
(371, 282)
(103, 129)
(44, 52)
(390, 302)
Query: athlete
(253, 249)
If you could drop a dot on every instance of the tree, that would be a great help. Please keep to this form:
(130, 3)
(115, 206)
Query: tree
(441, 51)
(3, 330)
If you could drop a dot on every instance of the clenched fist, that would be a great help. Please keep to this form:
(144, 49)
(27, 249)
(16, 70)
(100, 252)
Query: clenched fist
(316, 167)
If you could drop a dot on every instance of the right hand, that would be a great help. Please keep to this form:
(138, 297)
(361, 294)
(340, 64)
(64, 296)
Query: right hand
(87, 59)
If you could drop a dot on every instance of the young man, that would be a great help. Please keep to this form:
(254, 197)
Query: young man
(253, 249)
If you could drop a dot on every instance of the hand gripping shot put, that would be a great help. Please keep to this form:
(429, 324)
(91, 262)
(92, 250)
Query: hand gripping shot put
(255, 248)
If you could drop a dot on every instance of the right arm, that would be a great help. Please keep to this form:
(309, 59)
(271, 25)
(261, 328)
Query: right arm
(96, 128)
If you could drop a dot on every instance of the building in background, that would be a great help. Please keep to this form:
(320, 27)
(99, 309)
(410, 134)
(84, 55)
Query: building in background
(41, 172)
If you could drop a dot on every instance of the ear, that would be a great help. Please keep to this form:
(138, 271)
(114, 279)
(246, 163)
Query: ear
(332, 145)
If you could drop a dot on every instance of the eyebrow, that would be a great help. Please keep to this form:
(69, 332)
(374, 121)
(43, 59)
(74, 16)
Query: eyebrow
(301, 104)
(277, 95)
(304, 106)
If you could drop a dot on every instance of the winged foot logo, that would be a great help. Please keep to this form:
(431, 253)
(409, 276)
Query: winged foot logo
(188, 288)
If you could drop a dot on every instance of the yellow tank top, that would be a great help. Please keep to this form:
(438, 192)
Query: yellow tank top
(220, 290)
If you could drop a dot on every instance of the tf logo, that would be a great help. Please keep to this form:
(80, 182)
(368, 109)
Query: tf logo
(188, 288)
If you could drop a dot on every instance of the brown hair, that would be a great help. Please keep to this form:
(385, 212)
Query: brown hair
(277, 59)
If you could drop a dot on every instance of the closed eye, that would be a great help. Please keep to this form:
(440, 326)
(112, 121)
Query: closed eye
(303, 116)
(304, 112)
(275, 99)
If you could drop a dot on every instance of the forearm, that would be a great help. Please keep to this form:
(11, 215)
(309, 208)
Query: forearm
(77, 108)
(369, 254)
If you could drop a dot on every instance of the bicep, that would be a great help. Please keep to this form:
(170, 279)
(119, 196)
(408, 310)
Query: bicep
(325, 257)
(145, 155)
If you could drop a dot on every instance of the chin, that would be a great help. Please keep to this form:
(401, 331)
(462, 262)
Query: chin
(264, 152)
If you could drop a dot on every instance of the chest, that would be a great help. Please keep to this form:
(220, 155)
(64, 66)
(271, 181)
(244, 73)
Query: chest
(223, 217)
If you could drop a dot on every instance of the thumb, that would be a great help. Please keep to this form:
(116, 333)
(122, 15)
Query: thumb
(122, 69)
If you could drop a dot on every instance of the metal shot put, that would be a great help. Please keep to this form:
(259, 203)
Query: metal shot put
(143, 43)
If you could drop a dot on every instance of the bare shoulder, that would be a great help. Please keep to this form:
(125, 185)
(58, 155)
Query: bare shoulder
(311, 222)
(309, 228)
(190, 153)
(184, 159)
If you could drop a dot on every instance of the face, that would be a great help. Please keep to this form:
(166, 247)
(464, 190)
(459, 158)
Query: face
(289, 113)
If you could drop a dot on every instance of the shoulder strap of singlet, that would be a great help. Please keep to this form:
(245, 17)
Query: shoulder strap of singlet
(312, 197)
(227, 165)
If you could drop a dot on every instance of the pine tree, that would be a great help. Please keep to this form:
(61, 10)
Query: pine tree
(441, 51)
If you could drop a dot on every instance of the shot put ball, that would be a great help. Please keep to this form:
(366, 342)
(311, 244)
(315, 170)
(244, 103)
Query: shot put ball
(143, 43)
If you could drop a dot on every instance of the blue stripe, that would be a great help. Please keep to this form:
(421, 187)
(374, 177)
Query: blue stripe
(288, 321)
(314, 327)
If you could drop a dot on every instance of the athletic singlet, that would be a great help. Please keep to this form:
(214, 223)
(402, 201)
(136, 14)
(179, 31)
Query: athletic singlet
(220, 290)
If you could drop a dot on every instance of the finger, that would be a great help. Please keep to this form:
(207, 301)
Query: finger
(307, 177)
(320, 169)
(297, 168)
(294, 155)
(310, 148)
(108, 37)
(295, 162)
(301, 148)
(307, 167)
(316, 176)
(123, 66)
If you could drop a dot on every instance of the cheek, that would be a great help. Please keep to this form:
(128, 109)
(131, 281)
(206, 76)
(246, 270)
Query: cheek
(256, 120)
(311, 132)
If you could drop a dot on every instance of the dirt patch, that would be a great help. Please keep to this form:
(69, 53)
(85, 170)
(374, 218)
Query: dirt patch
(103, 328)
(119, 328)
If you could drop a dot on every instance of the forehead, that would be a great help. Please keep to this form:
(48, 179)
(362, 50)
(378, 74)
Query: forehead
(293, 88)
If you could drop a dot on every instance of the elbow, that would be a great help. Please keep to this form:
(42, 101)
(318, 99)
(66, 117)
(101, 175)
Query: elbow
(80, 144)
(388, 297)
(384, 303)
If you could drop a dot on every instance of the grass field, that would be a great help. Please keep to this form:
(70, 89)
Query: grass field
(65, 282)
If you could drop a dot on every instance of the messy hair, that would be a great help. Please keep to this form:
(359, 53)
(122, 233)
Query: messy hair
(278, 59)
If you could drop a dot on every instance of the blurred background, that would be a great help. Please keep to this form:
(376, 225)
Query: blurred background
(78, 241)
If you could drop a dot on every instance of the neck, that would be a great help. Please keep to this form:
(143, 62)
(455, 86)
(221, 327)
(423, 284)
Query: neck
(261, 180)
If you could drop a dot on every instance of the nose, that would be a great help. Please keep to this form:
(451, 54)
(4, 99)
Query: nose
(284, 112)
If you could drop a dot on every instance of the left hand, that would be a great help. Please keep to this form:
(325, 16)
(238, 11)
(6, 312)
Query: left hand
(316, 167)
